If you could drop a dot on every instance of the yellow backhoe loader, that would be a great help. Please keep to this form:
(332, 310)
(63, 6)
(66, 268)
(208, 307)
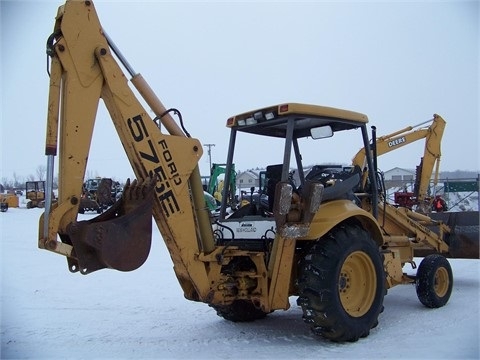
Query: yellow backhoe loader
(460, 229)
(324, 245)
(411, 209)
(35, 194)
(429, 163)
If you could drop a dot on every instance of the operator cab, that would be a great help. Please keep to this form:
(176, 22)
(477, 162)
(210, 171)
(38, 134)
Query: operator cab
(290, 122)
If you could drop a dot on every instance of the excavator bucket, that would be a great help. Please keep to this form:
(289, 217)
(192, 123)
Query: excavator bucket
(120, 238)
(464, 239)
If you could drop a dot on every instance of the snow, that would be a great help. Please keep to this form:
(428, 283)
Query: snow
(48, 312)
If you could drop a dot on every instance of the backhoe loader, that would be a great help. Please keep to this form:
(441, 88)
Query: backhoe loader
(324, 245)
(460, 229)
(429, 163)
(215, 187)
(35, 194)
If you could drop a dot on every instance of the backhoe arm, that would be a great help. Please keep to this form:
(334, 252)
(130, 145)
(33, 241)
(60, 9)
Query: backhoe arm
(431, 156)
(83, 70)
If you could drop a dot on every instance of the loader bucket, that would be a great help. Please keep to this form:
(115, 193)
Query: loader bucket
(463, 241)
(120, 238)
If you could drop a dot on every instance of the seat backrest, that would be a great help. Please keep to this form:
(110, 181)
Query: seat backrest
(273, 176)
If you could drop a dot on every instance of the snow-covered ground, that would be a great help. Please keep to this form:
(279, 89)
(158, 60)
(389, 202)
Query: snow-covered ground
(47, 312)
(463, 201)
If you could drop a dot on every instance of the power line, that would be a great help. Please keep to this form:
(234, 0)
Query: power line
(209, 154)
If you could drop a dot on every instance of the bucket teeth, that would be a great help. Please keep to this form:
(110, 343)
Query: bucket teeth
(138, 189)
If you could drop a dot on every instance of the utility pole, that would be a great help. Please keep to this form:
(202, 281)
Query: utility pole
(209, 155)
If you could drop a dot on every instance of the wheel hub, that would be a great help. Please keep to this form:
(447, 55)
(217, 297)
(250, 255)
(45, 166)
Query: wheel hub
(357, 284)
(441, 282)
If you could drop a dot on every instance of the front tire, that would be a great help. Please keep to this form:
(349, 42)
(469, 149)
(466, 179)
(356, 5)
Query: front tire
(434, 281)
(342, 284)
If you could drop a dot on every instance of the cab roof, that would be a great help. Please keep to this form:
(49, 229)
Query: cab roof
(272, 121)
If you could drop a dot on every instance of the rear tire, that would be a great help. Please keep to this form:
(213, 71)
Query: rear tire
(342, 284)
(434, 281)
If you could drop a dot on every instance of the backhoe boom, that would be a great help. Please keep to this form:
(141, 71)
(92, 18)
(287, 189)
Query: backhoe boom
(430, 160)
(83, 72)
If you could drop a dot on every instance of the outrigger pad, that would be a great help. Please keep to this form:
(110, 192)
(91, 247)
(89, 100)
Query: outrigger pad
(121, 237)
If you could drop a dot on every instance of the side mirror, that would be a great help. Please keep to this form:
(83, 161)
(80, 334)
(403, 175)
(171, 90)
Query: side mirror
(321, 132)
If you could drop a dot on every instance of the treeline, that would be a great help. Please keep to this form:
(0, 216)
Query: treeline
(458, 174)
(17, 182)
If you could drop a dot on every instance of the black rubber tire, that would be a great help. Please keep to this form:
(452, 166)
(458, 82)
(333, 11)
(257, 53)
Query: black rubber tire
(341, 284)
(434, 281)
(239, 311)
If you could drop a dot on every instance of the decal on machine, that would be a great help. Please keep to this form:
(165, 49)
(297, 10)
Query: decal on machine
(165, 168)
(246, 227)
(396, 142)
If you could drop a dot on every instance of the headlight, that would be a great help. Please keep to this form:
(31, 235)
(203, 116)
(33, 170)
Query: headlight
(258, 116)
(269, 116)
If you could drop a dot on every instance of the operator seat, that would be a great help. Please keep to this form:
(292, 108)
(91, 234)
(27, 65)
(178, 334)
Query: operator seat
(273, 177)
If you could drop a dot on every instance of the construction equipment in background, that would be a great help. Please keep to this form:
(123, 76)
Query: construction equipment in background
(420, 198)
(211, 204)
(412, 211)
(98, 194)
(216, 186)
(35, 194)
(88, 200)
(460, 229)
(8, 200)
(324, 244)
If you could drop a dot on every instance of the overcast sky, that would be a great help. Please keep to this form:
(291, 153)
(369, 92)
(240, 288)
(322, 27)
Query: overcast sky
(397, 62)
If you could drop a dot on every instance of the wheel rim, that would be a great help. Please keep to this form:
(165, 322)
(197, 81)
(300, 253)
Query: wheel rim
(441, 282)
(357, 284)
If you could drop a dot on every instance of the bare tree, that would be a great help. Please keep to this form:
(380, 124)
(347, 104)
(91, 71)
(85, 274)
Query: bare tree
(92, 174)
(18, 181)
(41, 171)
(7, 184)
